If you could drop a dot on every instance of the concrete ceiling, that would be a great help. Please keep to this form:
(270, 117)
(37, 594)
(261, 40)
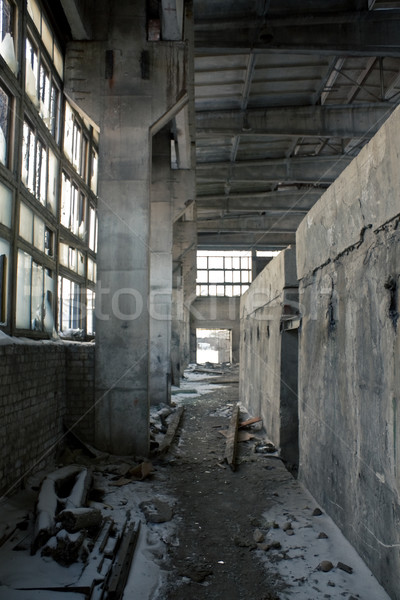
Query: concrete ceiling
(286, 94)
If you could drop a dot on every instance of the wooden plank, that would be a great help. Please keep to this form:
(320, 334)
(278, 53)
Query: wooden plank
(171, 431)
(231, 440)
(120, 571)
(250, 422)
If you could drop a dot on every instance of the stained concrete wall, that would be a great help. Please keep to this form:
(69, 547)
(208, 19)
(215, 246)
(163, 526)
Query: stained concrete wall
(216, 313)
(349, 269)
(268, 352)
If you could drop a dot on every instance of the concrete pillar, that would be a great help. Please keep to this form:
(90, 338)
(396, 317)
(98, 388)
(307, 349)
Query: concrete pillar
(160, 270)
(132, 88)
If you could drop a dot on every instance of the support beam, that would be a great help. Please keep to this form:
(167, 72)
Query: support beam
(347, 121)
(363, 33)
(231, 241)
(286, 223)
(301, 201)
(303, 170)
(74, 11)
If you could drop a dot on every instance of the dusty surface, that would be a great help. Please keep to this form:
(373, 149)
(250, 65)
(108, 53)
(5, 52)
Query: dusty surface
(207, 532)
(219, 509)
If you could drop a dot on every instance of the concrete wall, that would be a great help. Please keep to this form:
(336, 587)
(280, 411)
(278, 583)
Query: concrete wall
(349, 269)
(42, 385)
(216, 313)
(268, 352)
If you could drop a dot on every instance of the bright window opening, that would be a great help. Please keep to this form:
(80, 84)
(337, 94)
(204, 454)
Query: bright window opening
(223, 273)
(213, 346)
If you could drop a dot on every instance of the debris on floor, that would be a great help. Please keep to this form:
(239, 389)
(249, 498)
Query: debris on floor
(178, 524)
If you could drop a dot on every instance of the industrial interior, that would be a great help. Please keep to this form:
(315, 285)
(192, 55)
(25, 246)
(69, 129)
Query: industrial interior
(206, 182)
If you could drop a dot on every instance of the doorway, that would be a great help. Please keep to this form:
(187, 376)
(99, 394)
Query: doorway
(213, 346)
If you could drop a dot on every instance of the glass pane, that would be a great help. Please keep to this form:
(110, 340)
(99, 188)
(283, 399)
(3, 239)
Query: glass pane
(94, 175)
(220, 290)
(244, 288)
(81, 264)
(202, 262)
(202, 276)
(244, 262)
(215, 262)
(93, 229)
(65, 200)
(216, 276)
(5, 104)
(235, 262)
(228, 262)
(47, 37)
(76, 146)
(44, 95)
(68, 131)
(228, 276)
(236, 290)
(236, 276)
(72, 259)
(245, 276)
(82, 216)
(38, 233)
(212, 290)
(48, 301)
(23, 309)
(4, 259)
(54, 111)
(6, 205)
(34, 12)
(63, 254)
(37, 297)
(203, 290)
(58, 61)
(41, 172)
(90, 299)
(7, 25)
(31, 72)
(228, 290)
(26, 223)
(90, 269)
(52, 179)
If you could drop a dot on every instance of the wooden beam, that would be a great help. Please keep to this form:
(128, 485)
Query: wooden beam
(231, 440)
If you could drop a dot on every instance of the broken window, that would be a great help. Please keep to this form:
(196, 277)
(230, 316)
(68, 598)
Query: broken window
(5, 125)
(35, 290)
(4, 258)
(69, 304)
(93, 228)
(34, 164)
(73, 207)
(75, 142)
(223, 273)
(45, 32)
(6, 205)
(7, 31)
(90, 314)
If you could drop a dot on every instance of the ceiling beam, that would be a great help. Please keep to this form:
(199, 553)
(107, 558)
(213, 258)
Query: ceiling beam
(346, 121)
(283, 223)
(319, 169)
(362, 33)
(231, 241)
(301, 200)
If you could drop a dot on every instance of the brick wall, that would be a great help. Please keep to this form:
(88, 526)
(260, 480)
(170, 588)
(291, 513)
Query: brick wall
(32, 408)
(42, 385)
(80, 390)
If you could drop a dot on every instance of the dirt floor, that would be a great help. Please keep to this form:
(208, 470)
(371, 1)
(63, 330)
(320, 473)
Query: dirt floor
(206, 531)
(219, 509)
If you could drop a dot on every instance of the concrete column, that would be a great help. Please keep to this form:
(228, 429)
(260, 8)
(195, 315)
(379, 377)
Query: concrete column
(160, 271)
(131, 89)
